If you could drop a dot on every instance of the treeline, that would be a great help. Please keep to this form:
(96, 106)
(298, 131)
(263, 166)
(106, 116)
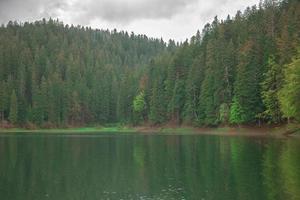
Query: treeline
(240, 70)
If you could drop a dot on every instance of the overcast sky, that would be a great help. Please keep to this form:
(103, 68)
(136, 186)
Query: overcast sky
(175, 19)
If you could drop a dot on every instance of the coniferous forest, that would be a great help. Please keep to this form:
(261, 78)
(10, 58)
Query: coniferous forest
(244, 69)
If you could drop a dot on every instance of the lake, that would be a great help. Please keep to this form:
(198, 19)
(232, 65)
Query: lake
(133, 166)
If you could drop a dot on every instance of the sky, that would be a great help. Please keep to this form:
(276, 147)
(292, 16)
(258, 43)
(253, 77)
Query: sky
(167, 19)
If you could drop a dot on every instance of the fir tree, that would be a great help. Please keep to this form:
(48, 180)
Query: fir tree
(13, 111)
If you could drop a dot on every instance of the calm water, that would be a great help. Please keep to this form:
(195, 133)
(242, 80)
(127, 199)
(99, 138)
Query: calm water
(36, 167)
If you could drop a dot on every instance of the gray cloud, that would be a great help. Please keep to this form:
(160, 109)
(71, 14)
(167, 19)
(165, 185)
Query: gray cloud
(22, 10)
(127, 11)
(85, 11)
(177, 19)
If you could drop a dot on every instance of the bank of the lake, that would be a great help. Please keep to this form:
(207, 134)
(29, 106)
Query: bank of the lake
(274, 131)
(70, 130)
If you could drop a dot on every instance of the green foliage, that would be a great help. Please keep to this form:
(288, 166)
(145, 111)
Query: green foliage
(139, 102)
(13, 111)
(246, 86)
(177, 102)
(236, 113)
(22, 111)
(207, 99)
(270, 86)
(224, 113)
(289, 95)
(192, 91)
(37, 107)
(2, 100)
(157, 105)
(139, 106)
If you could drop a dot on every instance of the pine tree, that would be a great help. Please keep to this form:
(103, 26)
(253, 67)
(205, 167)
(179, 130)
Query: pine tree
(206, 105)
(236, 113)
(74, 109)
(157, 113)
(22, 110)
(270, 86)
(13, 111)
(2, 103)
(193, 86)
(178, 98)
(247, 87)
(37, 106)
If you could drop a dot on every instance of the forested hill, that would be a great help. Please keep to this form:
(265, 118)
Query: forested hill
(56, 74)
(244, 69)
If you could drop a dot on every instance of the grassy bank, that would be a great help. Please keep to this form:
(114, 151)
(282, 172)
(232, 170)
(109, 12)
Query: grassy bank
(71, 130)
(283, 130)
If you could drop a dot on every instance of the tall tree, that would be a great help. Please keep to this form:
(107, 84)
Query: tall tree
(270, 86)
(13, 111)
(2, 99)
(139, 106)
(289, 95)
(247, 87)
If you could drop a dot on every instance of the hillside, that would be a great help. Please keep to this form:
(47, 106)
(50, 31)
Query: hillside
(55, 74)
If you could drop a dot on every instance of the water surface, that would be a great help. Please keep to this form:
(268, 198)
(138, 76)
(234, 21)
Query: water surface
(90, 167)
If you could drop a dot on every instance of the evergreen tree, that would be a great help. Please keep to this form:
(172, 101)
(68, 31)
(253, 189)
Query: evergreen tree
(37, 106)
(236, 113)
(2, 103)
(270, 86)
(177, 104)
(157, 104)
(139, 106)
(13, 111)
(22, 111)
(289, 95)
(247, 87)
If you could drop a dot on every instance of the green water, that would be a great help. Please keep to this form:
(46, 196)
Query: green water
(92, 167)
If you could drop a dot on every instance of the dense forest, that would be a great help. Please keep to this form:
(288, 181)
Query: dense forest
(241, 70)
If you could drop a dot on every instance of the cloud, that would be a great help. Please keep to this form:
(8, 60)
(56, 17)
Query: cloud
(23, 10)
(176, 19)
(127, 11)
(122, 11)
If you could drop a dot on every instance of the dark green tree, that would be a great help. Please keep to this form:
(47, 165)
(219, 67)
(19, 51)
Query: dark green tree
(13, 111)
(270, 86)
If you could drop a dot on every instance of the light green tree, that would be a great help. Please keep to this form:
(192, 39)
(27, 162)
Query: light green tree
(289, 95)
(139, 105)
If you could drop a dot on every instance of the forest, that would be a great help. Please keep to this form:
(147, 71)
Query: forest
(244, 69)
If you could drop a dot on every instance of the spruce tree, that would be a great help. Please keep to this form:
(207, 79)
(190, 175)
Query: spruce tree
(270, 86)
(2, 101)
(13, 111)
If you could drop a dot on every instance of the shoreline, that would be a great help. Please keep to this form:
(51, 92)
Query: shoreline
(264, 131)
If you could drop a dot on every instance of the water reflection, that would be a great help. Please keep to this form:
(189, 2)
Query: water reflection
(148, 167)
